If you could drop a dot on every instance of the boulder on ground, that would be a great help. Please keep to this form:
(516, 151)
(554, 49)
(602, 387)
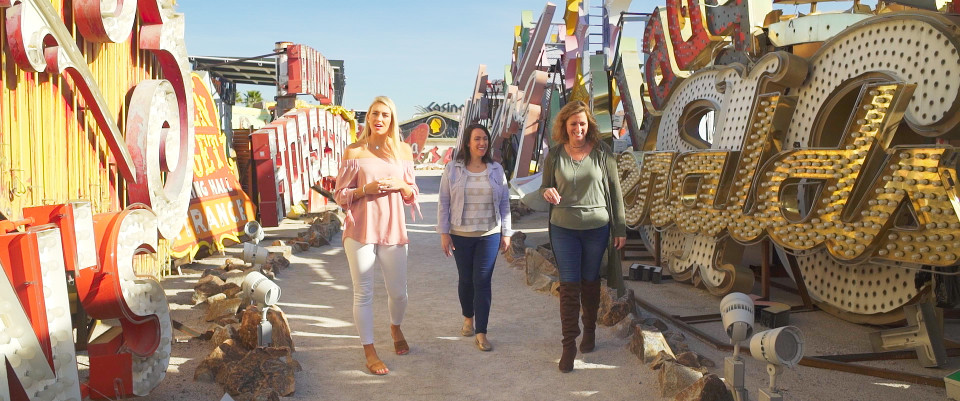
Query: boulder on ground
(261, 368)
(658, 361)
(299, 246)
(517, 252)
(689, 359)
(546, 250)
(617, 310)
(206, 287)
(237, 276)
(224, 333)
(275, 263)
(248, 326)
(647, 343)
(212, 272)
(281, 336)
(284, 250)
(624, 328)
(707, 388)
(677, 342)
(231, 290)
(228, 351)
(234, 264)
(536, 266)
(221, 306)
(675, 377)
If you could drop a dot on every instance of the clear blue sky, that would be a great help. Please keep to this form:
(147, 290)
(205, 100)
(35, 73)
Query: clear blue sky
(414, 51)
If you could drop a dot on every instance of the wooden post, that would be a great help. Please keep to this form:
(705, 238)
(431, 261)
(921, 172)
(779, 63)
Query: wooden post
(765, 270)
(656, 254)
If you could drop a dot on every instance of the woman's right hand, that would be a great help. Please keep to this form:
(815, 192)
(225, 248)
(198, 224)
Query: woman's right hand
(447, 244)
(551, 196)
(371, 188)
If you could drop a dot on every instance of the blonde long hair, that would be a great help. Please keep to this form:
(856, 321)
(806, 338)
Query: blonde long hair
(392, 144)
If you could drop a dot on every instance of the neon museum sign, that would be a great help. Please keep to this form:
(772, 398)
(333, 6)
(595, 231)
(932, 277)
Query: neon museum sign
(838, 152)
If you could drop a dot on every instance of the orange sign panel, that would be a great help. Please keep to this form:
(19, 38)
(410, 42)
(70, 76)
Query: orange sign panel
(218, 206)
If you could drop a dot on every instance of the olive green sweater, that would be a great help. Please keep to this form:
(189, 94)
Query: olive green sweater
(583, 191)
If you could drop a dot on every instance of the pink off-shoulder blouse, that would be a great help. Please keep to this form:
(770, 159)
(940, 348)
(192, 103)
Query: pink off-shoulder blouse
(375, 218)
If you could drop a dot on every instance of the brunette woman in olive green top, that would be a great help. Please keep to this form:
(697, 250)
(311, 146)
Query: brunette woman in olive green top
(580, 181)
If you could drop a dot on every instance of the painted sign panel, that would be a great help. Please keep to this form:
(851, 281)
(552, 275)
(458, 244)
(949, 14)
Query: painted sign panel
(439, 125)
(417, 138)
(839, 155)
(309, 73)
(102, 113)
(218, 206)
(294, 153)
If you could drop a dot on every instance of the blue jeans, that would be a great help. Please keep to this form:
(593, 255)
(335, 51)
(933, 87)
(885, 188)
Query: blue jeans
(475, 258)
(579, 252)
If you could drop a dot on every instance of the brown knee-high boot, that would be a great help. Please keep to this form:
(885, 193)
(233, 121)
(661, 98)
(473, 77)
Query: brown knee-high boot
(569, 323)
(590, 299)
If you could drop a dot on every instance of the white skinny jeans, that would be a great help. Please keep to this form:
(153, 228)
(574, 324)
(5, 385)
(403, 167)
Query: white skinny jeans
(393, 263)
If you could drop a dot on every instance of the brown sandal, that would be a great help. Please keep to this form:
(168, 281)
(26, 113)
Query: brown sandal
(401, 347)
(377, 366)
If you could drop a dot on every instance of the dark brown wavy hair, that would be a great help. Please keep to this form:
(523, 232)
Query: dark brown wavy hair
(464, 153)
(569, 110)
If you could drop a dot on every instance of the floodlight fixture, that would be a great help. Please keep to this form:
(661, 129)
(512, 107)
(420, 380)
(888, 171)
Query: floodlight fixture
(736, 312)
(254, 254)
(781, 347)
(254, 231)
(260, 290)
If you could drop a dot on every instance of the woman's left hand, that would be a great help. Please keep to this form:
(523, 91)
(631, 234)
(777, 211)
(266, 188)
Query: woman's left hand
(504, 244)
(619, 242)
(391, 184)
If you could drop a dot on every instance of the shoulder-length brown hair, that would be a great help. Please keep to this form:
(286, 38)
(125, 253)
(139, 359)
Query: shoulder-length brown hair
(570, 109)
(463, 154)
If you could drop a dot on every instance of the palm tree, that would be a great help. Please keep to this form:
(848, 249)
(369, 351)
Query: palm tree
(251, 98)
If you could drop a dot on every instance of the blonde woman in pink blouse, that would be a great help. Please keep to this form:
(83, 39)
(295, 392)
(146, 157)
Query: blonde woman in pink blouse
(374, 183)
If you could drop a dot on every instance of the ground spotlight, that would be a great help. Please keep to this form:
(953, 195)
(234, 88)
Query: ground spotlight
(264, 293)
(254, 254)
(782, 347)
(254, 231)
(260, 290)
(736, 312)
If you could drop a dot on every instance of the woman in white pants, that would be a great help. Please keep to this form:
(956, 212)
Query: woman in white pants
(375, 181)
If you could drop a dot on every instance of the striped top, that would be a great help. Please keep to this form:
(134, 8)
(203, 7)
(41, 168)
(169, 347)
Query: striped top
(478, 214)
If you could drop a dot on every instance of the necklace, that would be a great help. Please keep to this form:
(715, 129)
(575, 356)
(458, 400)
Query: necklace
(576, 152)
(576, 172)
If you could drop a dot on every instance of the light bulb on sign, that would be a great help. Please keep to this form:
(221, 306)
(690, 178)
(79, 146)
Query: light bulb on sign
(15, 331)
(27, 352)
